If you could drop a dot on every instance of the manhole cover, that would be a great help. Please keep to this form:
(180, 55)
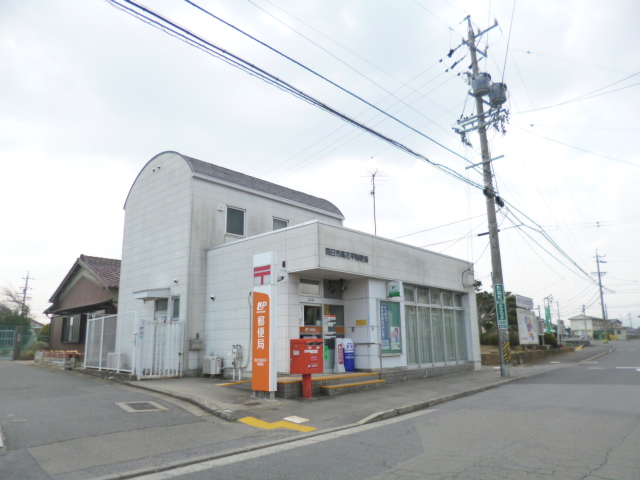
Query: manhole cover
(252, 404)
(139, 407)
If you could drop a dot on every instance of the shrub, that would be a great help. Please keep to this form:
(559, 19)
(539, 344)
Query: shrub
(550, 339)
(488, 339)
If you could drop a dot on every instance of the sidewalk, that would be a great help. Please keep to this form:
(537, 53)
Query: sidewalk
(323, 412)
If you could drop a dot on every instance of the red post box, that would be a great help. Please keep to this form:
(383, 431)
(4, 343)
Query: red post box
(307, 357)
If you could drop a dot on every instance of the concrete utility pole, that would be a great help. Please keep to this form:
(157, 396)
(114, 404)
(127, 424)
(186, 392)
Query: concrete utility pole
(600, 274)
(490, 194)
(373, 194)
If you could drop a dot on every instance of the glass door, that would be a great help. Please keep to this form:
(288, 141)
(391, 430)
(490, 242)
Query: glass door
(333, 327)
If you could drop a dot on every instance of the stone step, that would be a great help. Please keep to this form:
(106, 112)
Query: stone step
(351, 387)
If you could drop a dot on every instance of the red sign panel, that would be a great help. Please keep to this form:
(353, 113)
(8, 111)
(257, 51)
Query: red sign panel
(261, 275)
(262, 371)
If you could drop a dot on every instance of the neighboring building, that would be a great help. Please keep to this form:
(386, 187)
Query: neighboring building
(619, 330)
(589, 327)
(194, 237)
(36, 327)
(90, 287)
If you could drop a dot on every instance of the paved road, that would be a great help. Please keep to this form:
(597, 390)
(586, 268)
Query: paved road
(60, 425)
(578, 422)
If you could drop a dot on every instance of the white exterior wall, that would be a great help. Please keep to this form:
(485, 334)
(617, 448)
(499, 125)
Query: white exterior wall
(230, 279)
(155, 247)
(210, 199)
(172, 218)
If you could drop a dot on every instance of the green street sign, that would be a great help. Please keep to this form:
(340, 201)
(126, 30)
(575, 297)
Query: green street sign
(501, 306)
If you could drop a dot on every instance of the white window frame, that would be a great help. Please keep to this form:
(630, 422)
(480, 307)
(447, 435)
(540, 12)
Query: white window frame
(280, 220)
(244, 221)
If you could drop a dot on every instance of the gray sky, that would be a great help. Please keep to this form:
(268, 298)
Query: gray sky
(89, 94)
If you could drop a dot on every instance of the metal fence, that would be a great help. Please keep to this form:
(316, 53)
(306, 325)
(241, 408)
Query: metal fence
(6, 344)
(103, 345)
(147, 348)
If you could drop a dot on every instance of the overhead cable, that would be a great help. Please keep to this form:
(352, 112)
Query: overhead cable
(192, 39)
(348, 92)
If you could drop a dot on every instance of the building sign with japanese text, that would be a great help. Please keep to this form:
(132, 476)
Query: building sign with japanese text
(501, 306)
(262, 348)
(332, 252)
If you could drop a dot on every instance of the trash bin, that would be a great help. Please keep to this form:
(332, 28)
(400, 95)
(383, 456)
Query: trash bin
(349, 355)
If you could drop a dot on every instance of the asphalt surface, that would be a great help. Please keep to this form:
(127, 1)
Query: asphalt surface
(135, 444)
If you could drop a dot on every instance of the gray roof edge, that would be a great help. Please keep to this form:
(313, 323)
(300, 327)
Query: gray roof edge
(253, 183)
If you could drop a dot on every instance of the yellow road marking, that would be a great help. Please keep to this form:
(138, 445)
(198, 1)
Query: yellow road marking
(254, 422)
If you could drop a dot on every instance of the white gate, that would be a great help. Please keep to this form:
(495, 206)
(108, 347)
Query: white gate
(160, 348)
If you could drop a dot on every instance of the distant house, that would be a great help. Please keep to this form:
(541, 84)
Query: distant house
(36, 327)
(90, 287)
(590, 327)
(619, 330)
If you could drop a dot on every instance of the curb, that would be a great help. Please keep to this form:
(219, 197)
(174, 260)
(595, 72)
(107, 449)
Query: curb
(396, 412)
(224, 414)
(613, 347)
(370, 419)
(375, 417)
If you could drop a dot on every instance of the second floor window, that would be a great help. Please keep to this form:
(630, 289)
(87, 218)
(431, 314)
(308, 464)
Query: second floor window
(235, 221)
(278, 223)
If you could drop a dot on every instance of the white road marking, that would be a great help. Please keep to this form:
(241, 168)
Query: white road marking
(241, 457)
(596, 368)
(295, 419)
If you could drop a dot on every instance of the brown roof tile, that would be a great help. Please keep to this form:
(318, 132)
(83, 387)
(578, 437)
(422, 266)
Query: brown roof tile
(107, 269)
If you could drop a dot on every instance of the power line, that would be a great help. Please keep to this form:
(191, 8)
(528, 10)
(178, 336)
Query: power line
(440, 226)
(506, 54)
(323, 77)
(580, 149)
(586, 96)
(196, 41)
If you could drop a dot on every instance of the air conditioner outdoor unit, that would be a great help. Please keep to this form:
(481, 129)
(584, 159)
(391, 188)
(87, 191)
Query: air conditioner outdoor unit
(212, 365)
(115, 360)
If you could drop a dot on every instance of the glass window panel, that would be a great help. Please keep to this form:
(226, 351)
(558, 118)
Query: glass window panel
(336, 311)
(435, 297)
(309, 287)
(409, 294)
(333, 289)
(162, 305)
(279, 223)
(447, 299)
(457, 300)
(175, 313)
(235, 221)
(449, 336)
(424, 325)
(423, 296)
(411, 322)
(438, 335)
(461, 336)
(312, 316)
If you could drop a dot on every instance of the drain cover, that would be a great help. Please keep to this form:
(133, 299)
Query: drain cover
(139, 407)
(252, 404)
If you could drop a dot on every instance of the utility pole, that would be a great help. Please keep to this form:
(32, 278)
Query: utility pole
(600, 274)
(24, 295)
(481, 86)
(373, 194)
